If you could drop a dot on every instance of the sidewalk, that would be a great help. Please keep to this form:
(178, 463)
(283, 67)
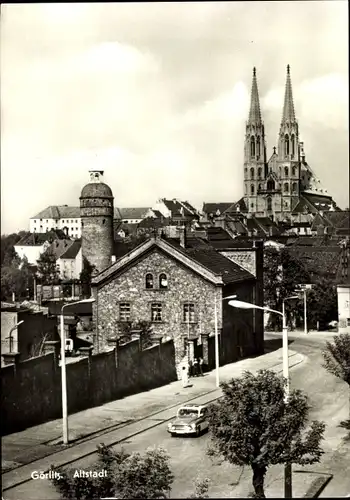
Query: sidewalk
(38, 442)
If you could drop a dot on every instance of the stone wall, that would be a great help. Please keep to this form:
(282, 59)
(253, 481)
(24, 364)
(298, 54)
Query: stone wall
(31, 390)
(183, 285)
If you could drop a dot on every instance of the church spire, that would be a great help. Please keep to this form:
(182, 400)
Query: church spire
(288, 107)
(254, 113)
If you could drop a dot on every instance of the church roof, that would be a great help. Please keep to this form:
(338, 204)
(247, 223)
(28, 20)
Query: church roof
(288, 107)
(254, 112)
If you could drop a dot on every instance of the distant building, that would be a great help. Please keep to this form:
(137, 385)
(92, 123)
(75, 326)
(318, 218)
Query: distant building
(33, 245)
(70, 262)
(27, 339)
(61, 217)
(132, 215)
(174, 209)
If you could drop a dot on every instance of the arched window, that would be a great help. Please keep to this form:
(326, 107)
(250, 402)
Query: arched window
(280, 171)
(252, 190)
(286, 187)
(258, 146)
(295, 187)
(260, 187)
(163, 281)
(270, 185)
(286, 171)
(286, 145)
(269, 203)
(149, 280)
(293, 144)
(252, 146)
(294, 170)
(252, 173)
(245, 171)
(259, 173)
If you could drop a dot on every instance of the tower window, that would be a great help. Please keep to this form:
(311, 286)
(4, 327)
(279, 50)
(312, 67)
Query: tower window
(252, 146)
(286, 145)
(286, 187)
(252, 190)
(260, 187)
(294, 170)
(163, 281)
(104, 221)
(295, 187)
(270, 185)
(259, 173)
(286, 171)
(293, 144)
(269, 203)
(258, 146)
(252, 173)
(149, 280)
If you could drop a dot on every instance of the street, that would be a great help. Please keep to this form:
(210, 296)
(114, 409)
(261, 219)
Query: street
(329, 402)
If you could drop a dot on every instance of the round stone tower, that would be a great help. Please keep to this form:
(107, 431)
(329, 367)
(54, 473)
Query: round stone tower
(96, 212)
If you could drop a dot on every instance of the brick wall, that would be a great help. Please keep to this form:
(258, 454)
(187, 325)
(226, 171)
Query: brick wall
(31, 390)
(183, 285)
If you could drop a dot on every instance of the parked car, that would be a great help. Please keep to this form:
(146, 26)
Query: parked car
(190, 420)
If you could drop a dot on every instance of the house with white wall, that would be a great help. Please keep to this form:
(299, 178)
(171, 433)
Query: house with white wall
(33, 245)
(61, 217)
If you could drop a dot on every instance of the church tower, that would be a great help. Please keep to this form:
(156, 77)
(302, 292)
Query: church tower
(288, 155)
(96, 212)
(254, 150)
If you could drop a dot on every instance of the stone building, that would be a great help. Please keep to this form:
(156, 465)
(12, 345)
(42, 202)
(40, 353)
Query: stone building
(96, 212)
(175, 285)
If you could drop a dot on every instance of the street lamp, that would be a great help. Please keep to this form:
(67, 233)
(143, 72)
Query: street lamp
(246, 305)
(217, 339)
(63, 368)
(10, 333)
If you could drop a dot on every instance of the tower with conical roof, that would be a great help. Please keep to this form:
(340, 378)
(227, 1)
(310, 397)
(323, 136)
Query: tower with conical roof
(254, 150)
(96, 212)
(288, 157)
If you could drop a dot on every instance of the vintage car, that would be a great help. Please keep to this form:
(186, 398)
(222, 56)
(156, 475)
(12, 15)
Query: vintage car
(190, 419)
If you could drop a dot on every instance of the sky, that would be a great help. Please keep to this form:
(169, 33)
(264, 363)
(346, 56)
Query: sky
(157, 95)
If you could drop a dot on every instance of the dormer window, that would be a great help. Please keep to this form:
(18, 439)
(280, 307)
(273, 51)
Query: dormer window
(163, 281)
(149, 280)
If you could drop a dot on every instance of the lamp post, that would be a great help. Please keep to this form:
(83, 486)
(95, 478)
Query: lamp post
(63, 369)
(10, 333)
(246, 305)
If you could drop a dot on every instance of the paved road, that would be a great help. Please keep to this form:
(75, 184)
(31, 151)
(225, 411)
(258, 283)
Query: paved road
(328, 398)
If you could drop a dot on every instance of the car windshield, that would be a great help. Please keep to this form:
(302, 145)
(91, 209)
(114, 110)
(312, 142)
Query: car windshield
(187, 412)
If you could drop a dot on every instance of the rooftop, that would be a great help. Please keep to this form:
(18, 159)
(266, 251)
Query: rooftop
(58, 212)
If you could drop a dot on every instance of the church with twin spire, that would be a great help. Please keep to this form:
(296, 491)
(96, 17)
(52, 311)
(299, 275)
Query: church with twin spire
(284, 184)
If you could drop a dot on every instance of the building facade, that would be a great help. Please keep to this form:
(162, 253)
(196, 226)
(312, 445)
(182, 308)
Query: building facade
(175, 288)
(57, 217)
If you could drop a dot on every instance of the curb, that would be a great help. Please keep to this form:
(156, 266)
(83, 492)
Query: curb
(16, 481)
(317, 486)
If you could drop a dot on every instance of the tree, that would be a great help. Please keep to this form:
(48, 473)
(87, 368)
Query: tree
(144, 328)
(283, 273)
(86, 276)
(7, 246)
(127, 476)
(47, 268)
(252, 425)
(16, 277)
(322, 304)
(336, 357)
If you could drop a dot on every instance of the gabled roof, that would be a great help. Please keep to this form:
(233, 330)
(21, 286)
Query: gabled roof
(58, 212)
(179, 208)
(205, 261)
(153, 222)
(133, 212)
(38, 239)
(72, 250)
(59, 247)
(240, 204)
(212, 208)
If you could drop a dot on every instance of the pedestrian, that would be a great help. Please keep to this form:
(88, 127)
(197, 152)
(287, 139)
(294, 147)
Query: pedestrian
(200, 364)
(190, 368)
(195, 367)
(184, 376)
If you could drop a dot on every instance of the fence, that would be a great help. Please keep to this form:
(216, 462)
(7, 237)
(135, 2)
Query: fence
(31, 390)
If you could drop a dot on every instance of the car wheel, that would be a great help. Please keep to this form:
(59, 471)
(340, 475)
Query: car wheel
(172, 435)
(198, 431)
